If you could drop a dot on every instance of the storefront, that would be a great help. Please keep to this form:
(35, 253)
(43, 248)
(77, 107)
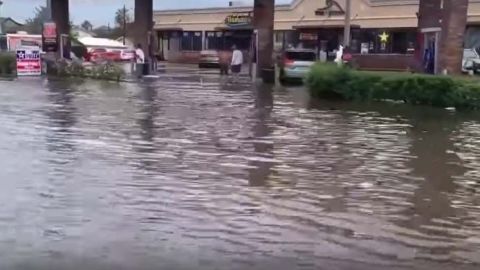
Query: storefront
(379, 27)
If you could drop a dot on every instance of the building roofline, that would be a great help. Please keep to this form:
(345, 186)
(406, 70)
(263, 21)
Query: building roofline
(4, 19)
(234, 9)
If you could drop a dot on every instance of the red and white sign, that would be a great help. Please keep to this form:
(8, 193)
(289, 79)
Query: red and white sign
(29, 62)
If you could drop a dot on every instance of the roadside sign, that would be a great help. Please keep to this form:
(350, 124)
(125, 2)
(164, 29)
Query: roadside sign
(29, 62)
(49, 37)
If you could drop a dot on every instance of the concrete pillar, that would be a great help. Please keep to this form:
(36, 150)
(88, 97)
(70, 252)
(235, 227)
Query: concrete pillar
(454, 23)
(144, 25)
(429, 14)
(61, 16)
(429, 26)
(263, 18)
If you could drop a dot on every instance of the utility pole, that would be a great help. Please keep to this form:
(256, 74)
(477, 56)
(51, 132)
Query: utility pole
(346, 33)
(1, 4)
(124, 23)
(49, 10)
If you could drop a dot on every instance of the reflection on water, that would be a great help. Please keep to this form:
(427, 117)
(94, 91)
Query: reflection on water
(193, 173)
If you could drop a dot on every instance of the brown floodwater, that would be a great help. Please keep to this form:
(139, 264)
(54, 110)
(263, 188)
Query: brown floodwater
(192, 172)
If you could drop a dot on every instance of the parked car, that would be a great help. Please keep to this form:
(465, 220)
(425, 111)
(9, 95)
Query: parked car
(209, 58)
(296, 63)
(471, 60)
(102, 54)
(127, 55)
(96, 54)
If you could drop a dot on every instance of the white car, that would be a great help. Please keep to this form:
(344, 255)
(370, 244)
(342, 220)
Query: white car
(296, 64)
(471, 60)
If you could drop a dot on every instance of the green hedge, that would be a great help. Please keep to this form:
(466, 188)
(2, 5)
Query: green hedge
(7, 64)
(331, 81)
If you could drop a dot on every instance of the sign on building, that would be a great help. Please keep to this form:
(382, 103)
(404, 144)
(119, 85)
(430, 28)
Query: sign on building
(29, 62)
(238, 20)
(49, 37)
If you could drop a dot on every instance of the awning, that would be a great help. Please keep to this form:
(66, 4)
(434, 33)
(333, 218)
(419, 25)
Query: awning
(168, 28)
(236, 28)
(327, 26)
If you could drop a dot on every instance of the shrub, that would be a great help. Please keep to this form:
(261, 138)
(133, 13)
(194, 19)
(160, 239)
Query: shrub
(104, 71)
(330, 81)
(7, 64)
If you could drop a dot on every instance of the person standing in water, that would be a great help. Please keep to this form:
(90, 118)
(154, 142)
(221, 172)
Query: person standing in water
(225, 60)
(237, 61)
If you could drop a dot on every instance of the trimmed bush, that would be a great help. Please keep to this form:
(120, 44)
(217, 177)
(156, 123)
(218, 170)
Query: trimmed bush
(104, 71)
(8, 64)
(331, 81)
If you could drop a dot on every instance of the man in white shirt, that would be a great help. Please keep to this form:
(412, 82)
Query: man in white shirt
(139, 54)
(237, 61)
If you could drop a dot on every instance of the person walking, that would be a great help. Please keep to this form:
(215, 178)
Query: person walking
(237, 61)
(140, 60)
(225, 59)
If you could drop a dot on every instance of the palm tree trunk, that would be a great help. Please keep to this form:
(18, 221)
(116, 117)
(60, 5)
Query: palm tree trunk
(453, 32)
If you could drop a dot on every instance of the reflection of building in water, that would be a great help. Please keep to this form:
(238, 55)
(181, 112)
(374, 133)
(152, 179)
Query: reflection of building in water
(263, 146)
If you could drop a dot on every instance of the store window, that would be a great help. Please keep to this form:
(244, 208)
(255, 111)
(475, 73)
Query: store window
(192, 41)
(397, 41)
(214, 40)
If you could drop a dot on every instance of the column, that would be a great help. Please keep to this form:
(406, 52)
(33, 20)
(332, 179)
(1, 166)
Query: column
(144, 25)
(429, 14)
(263, 18)
(453, 31)
(60, 15)
(429, 27)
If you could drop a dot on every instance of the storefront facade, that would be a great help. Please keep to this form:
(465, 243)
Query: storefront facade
(378, 27)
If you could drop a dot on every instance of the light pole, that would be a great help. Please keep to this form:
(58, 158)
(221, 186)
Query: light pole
(1, 4)
(346, 33)
(124, 23)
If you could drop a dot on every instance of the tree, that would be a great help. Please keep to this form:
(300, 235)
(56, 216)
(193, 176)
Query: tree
(87, 25)
(122, 17)
(454, 23)
(34, 25)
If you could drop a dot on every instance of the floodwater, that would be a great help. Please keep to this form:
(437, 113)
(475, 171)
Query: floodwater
(191, 172)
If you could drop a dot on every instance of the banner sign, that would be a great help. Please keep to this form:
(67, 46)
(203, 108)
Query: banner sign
(29, 62)
(49, 37)
(237, 20)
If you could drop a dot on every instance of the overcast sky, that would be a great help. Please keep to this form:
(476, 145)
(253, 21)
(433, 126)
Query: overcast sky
(102, 11)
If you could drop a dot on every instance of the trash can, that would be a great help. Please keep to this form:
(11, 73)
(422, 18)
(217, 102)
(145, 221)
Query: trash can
(146, 68)
(268, 75)
(139, 69)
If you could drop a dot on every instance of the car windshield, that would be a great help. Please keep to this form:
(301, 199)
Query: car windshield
(469, 54)
(300, 56)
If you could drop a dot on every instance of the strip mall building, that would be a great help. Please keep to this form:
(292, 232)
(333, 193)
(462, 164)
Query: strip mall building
(379, 27)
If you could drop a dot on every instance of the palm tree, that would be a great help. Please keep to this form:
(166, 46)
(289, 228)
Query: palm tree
(87, 25)
(122, 17)
(454, 22)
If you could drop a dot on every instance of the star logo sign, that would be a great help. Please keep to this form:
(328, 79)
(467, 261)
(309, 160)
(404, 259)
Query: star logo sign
(384, 37)
(21, 55)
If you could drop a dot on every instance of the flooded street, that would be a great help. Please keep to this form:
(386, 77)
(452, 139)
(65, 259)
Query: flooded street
(192, 173)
